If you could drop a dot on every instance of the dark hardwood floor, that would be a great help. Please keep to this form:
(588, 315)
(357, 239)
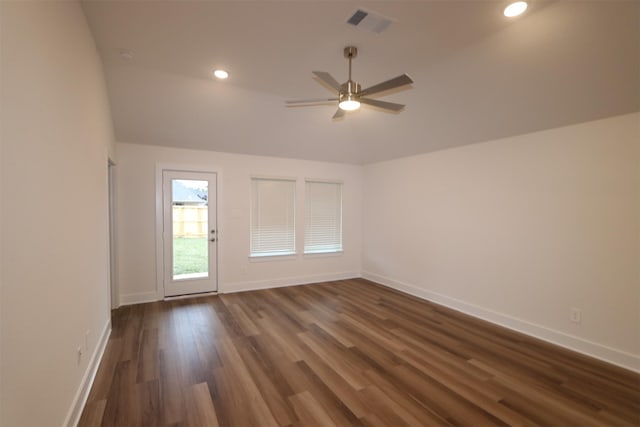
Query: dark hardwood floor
(338, 354)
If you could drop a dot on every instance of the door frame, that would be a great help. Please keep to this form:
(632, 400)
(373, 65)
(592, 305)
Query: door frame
(181, 167)
(114, 292)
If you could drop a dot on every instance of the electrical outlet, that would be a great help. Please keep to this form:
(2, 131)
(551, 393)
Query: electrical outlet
(575, 315)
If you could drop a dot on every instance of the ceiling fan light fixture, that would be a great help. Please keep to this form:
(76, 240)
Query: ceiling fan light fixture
(349, 103)
(515, 9)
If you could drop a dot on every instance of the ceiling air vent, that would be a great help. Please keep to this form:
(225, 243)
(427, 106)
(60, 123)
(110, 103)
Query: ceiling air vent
(369, 21)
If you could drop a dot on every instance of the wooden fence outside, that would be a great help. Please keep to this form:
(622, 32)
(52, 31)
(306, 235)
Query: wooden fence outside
(190, 221)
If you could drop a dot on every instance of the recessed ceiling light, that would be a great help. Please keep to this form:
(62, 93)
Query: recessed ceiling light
(515, 9)
(126, 54)
(221, 74)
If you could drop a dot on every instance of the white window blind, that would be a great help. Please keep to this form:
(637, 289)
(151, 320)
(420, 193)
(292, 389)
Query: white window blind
(273, 217)
(323, 217)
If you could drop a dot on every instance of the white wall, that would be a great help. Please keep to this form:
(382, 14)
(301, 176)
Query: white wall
(136, 184)
(519, 230)
(56, 135)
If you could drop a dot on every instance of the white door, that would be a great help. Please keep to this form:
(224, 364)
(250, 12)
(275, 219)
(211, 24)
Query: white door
(190, 235)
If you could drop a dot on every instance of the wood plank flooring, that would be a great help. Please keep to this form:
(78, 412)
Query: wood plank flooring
(339, 354)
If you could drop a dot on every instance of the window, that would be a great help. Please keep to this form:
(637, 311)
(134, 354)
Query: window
(273, 217)
(323, 217)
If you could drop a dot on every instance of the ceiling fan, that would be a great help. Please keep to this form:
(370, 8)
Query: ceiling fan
(350, 95)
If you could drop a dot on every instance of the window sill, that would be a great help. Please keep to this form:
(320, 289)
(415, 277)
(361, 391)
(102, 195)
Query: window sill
(274, 257)
(322, 254)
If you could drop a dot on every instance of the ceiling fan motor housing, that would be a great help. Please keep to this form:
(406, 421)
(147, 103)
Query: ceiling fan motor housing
(349, 88)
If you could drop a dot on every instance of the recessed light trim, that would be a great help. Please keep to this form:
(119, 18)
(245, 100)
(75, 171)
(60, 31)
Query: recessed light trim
(515, 9)
(126, 54)
(220, 74)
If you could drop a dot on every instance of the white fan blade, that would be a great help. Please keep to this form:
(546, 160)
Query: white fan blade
(391, 106)
(295, 102)
(328, 79)
(386, 85)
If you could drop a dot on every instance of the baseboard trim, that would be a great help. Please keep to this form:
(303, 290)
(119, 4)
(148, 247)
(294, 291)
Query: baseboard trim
(80, 399)
(139, 298)
(256, 285)
(571, 342)
(287, 281)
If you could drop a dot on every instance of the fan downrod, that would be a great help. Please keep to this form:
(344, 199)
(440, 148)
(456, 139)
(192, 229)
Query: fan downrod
(350, 88)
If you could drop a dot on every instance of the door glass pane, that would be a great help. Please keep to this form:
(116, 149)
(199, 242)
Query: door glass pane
(190, 228)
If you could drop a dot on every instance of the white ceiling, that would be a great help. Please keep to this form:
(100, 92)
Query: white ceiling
(478, 76)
